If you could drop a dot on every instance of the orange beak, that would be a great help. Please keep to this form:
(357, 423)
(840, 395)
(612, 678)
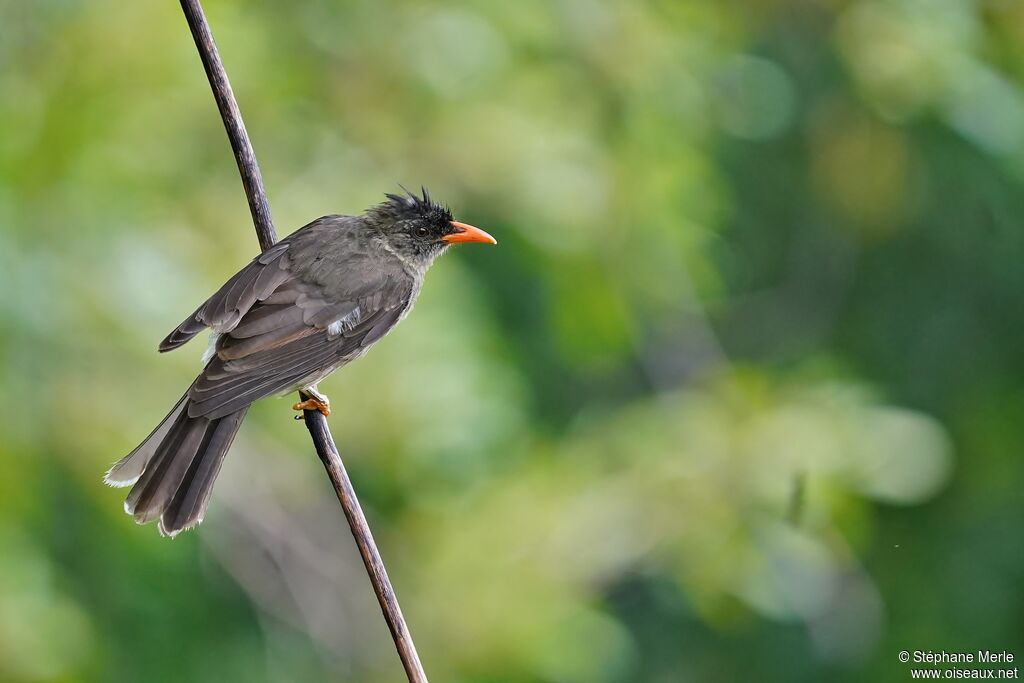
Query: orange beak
(467, 233)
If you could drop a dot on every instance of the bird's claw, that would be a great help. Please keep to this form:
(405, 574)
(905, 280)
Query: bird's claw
(323, 407)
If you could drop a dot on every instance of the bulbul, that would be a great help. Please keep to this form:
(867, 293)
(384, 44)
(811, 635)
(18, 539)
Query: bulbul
(310, 304)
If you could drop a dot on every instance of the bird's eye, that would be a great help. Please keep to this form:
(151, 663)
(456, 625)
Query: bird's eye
(421, 231)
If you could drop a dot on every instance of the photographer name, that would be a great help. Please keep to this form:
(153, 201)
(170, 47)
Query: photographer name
(943, 657)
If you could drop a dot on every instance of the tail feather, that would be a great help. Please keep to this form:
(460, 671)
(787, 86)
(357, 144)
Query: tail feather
(165, 471)
(188, 505)
(128, 469)
(173, 470)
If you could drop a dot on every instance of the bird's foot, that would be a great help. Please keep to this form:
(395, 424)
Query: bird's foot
(314, 401)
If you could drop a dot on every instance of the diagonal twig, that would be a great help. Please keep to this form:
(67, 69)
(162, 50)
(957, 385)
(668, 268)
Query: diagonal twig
(315, 422)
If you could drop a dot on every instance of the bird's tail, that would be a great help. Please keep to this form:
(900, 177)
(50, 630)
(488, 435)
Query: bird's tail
(174, 468)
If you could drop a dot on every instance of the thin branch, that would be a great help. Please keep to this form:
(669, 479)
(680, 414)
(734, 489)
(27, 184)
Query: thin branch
(315, 422)
(252, 180)
(328, 452)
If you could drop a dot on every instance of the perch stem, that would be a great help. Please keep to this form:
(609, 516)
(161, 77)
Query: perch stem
(252, 181)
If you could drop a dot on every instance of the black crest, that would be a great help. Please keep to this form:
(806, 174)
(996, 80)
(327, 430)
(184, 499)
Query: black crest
(411, 207)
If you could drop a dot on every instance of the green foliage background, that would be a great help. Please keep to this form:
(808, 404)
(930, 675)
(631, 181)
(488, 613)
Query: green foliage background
(737, 397)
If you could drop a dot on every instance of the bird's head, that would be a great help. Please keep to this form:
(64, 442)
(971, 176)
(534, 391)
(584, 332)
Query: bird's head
(418, 228)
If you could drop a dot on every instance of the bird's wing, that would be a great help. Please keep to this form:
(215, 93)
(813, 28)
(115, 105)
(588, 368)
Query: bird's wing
(225, 308)
(270, 270)
(299, 330)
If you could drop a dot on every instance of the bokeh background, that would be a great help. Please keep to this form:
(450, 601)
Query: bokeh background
(737, 397)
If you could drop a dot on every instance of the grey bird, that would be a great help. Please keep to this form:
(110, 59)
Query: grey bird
(310, 304)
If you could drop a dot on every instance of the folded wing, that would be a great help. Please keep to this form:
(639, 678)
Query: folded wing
(296, 334)
(222, 311)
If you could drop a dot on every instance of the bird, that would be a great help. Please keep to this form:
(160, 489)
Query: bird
(305, 307)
